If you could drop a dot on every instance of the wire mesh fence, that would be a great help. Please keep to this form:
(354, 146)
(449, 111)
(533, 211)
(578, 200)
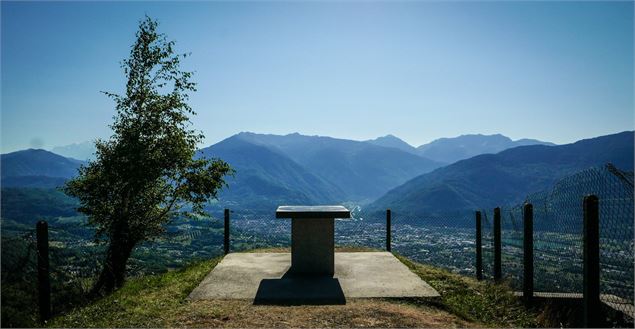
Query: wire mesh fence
(69, 276)
(19, 286)
(487, 231)
(558, 235)
(512, 231)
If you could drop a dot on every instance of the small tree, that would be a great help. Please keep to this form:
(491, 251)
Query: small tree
(146, 173)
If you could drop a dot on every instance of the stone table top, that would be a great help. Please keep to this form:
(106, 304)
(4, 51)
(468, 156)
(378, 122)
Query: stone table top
(312, 212)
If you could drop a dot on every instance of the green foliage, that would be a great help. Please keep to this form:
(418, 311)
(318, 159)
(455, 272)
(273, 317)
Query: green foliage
(19, 280)
(491, 304)
(146, 175)
(19, 288)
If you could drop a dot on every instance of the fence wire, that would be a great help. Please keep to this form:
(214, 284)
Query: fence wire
(558, 228)
(512, 245)
(487, 241)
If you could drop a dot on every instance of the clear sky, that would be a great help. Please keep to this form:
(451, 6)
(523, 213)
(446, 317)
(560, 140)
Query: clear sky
(556, 71)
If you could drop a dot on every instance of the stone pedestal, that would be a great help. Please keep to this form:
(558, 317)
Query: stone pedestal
(313, 246)
(312, 237)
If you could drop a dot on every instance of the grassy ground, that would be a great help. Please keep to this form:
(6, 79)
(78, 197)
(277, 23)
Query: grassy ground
(150, 301)
(160, 301)
(479, 301)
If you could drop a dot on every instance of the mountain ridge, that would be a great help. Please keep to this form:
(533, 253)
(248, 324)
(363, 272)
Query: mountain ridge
(81, 151)
(391, 140)
(85, 150)
(265, 177)
(37, 162)
(490, 180)
(453, 149)
(362, 170)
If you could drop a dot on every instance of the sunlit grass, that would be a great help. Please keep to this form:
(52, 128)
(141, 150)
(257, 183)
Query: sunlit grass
(494, 305)
(148, 301)
(161, 301)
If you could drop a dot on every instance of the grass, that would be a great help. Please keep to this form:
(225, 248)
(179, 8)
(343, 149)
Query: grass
(160, 301)
(493, 305)
(149, 301)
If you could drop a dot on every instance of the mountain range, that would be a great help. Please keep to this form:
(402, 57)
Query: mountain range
(265, 177)
(314, 169)
(36, 168)
(442, 150)
(450, 150)
(270, 169)
(490, 180)
(299, 169)
(453, 149)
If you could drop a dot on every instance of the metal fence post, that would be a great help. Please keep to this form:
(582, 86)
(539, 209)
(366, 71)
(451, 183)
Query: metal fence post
(44, 282)
(591, 262)
(528, 252)
(497, 244)
(388, 230)
(226, 240)
(479, 248)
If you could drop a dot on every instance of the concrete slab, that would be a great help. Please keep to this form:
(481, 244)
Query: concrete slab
(264, 278)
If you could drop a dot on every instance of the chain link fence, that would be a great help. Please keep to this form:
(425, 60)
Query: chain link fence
(512, 231)
(71, 273)
(558, 239)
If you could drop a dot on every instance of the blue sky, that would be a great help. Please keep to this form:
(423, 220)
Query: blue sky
(556, 71)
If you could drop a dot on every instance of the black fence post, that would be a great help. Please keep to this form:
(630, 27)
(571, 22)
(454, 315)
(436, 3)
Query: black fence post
(44, 282)
(497, 244)
(528, 252)
(388, 230)
(591, 262)
(226, 241)
(479, 248)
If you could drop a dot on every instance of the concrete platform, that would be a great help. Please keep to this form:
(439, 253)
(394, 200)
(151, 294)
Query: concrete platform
(264, 278)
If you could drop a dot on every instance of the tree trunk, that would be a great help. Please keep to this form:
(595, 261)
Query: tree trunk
(113, 273)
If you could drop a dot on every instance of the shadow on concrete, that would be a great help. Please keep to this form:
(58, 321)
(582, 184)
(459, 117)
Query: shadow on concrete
(295, 289)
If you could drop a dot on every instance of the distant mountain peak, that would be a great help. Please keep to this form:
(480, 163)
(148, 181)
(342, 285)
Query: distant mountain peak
(453, 149)
(36, 168)
(391, 140)
(81, 151)
(480, 136)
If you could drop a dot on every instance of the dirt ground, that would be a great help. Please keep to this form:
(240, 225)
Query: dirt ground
(356, 313)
